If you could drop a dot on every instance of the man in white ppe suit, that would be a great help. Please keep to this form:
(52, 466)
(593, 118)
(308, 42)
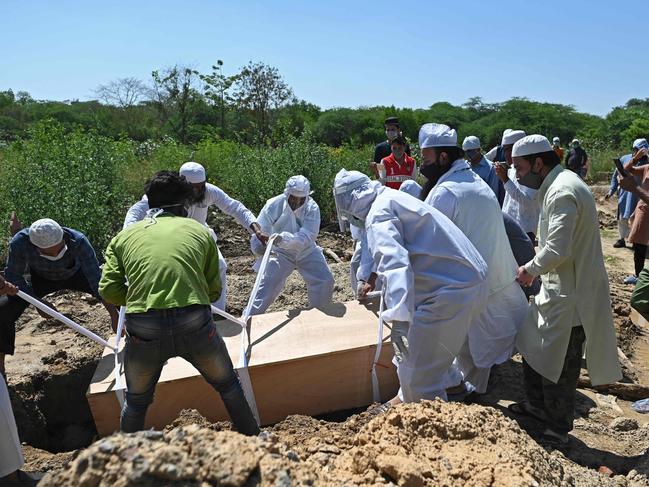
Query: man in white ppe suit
(574, 304)
(362, 266)
(460, 194)
(295, 218)
(433, 278)
(205, 195)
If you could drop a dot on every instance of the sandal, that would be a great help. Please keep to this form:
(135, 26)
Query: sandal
(552, 436)
(462, 395)
(380, 409)
(524, 408)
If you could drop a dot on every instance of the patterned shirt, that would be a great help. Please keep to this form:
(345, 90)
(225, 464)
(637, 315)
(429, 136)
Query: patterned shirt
(24, 257)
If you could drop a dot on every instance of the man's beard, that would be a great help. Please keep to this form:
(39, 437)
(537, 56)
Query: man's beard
(197, 198)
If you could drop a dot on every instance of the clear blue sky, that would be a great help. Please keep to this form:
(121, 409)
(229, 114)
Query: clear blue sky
(590, 54)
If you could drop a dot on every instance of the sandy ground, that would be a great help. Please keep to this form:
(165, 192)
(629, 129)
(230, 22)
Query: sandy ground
(437, 444)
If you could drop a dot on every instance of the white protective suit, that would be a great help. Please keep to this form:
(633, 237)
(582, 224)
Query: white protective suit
(469, 202)
(11, 457)
(362, 264)
(198, 211)
(434, 278)
(296, 249)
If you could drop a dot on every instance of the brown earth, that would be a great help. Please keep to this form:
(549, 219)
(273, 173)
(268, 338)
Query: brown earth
(425, 444)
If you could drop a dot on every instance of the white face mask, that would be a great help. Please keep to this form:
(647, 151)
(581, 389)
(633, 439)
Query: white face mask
(391, 134)
(57, 256)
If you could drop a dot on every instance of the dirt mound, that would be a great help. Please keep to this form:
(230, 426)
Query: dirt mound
(431, 443)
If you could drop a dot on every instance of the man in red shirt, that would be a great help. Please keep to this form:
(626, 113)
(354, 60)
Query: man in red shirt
(398, 166)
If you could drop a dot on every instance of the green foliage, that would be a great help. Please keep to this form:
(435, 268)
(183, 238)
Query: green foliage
(255, 174)
(73, 177)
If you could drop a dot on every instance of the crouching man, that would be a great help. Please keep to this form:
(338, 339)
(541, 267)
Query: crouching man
(435, 280)
(57, 258)
(295, 218)
(171, 265)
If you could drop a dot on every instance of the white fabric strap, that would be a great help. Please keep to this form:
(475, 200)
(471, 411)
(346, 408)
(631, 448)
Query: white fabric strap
(376, 391)
(242, 365)
(65, 320)
(119, 388)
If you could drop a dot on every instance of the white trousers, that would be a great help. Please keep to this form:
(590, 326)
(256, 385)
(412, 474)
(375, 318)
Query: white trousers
(623, 228)
(434, 339)
(312, 267)
(223, 267)
(11, 457)
(490, 340)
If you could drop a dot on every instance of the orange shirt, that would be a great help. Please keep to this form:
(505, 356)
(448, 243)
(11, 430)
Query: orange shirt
(559, 151)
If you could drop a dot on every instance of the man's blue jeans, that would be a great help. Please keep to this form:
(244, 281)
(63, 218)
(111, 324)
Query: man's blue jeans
(158, 335)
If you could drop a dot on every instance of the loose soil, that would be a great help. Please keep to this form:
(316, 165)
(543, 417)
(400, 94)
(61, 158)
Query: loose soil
(431, 443)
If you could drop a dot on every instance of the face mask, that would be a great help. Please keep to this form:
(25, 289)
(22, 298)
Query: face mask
(471, 154)
(391, 134)
(57, 256)
(433, 171)
(295, 202)
(531, 180)
(357, 222)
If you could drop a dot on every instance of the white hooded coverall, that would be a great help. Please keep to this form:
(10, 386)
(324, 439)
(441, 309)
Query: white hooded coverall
(198, 211)
(434, 279)
(470, 204)
(296, 249)
(362, 264)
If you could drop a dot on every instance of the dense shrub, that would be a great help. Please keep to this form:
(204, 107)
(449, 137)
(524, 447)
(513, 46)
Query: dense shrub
(75, 178)
(87, 181)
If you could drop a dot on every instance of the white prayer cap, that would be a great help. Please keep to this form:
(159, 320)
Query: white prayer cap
(298, 186)
(575, 141)
(194, 173)
(531, 144)
(436, 135)
(640, 144)
(45, 233)
(471, 143)
(556, 140)
(510, 136)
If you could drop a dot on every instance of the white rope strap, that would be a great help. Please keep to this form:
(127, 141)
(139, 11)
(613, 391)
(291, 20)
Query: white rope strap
(376, 390)
(119, 388)
(65, 320)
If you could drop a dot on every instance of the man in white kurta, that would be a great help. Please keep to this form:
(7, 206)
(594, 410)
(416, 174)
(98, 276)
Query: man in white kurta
(295, 217)
(461, 195)
(11, 457)
(206, 195)
(574, 303)
(433, 277)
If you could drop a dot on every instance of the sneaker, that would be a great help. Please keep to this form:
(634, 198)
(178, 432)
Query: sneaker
(630, 280)
(620, 244)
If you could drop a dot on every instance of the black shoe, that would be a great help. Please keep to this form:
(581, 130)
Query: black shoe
(620, 244)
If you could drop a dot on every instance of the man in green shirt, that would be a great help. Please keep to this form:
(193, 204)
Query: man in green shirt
(171, 265)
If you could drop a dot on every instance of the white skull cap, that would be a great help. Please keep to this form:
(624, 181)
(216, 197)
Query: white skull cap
(510, 136)
(298, 186)
(532, 144)
(436, 135)
(45, 233)
(471, 143)
(194, 173)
